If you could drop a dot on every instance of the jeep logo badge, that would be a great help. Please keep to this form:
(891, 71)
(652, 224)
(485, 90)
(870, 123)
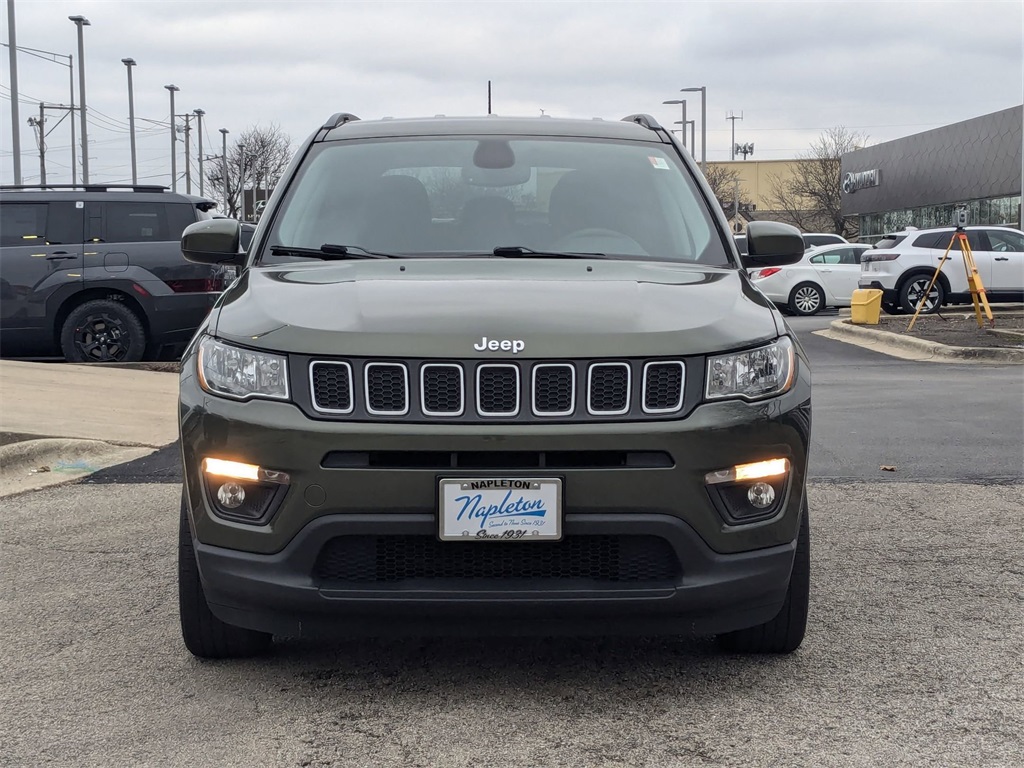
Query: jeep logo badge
(515, 346)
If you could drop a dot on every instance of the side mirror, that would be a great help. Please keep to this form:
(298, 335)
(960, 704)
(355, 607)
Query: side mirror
(214, 241)
(772, 244)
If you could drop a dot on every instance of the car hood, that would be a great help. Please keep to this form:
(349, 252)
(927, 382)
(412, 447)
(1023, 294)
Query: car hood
(453, 307)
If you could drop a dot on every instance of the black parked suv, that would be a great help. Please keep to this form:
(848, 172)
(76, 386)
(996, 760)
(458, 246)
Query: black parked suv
(493, 375)
(96, 273)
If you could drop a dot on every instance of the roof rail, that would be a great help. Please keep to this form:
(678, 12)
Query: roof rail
(90, 187)
(646, 121)
(339, 118)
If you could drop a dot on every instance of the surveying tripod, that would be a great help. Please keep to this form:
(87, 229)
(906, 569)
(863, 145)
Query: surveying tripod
(978, 296)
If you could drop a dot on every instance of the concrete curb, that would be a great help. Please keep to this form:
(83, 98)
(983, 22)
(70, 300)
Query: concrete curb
(937, 352)
(28, 465)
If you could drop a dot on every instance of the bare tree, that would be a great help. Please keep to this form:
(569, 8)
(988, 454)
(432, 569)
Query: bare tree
(256, 160)
(726, 185)
(811, 198)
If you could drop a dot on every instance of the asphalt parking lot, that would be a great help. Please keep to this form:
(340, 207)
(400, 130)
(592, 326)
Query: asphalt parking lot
(913, 654)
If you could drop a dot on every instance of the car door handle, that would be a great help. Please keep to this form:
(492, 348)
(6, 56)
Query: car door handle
(1002, 258)
(826, 270)
(62, 256)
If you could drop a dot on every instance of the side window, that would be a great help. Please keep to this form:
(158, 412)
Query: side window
(974, 239)
(136, 223)
(819, 259)
(179, 216)
(1005, 241)
(64, 224)
(22, 223)
(936, 240)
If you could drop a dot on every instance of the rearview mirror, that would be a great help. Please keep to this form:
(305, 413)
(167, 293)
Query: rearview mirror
(772, 244)
(214, 241)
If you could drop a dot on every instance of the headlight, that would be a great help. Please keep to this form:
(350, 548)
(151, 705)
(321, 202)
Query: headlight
(238, 373)
(753, 374)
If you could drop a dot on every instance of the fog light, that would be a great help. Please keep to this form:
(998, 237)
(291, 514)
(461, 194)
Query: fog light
(231, 495)
(761, 495)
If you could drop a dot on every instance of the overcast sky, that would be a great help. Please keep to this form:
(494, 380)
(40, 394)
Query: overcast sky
(885, 69)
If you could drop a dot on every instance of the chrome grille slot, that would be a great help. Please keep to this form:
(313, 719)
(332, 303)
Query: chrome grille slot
(441, 389)
(608, 389)
(663, 387)
(387, 389)
(497, 389)
(554, 389)
(331, 383)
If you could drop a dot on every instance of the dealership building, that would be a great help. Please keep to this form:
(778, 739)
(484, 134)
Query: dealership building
(921, 180)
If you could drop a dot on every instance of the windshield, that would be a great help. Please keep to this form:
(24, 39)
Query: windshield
(465, 196)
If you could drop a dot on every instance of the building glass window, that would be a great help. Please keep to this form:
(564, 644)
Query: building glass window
(1001, 211)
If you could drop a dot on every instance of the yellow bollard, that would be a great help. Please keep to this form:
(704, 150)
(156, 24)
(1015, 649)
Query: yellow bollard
(865, 306)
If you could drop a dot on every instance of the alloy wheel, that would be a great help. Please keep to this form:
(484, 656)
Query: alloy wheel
(103, 338)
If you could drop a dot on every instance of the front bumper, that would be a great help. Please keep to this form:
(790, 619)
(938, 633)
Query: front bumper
(265, 576)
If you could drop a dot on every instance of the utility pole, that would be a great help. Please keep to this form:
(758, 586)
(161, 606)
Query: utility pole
(199, 129)
(733, 118)
(15, 116)
(224, 165)
(38, 123)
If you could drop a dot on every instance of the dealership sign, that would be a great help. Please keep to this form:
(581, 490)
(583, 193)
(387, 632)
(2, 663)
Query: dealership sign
(861, 180)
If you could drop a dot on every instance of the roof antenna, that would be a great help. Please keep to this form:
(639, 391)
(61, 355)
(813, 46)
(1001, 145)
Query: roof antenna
(488, 97)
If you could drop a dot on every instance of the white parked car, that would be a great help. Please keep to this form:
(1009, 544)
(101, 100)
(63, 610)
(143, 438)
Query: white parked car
(902, 264)
(826, 276)
(817, 239)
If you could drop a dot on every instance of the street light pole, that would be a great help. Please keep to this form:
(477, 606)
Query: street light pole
(188, 161)
(199, 129)
(224, 164)
(15, 117)
(81, 22)
(172, 89)
(682, 122)
(129, 63)
(703, 124)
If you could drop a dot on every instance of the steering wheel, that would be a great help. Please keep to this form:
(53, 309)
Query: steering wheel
(600, 240)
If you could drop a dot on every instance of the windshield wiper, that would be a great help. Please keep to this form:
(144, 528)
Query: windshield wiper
(329, 252)
(516, 251)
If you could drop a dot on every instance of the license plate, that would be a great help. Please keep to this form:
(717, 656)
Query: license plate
(500, 509)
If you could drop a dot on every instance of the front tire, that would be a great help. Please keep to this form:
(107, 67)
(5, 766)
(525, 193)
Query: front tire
(913, 289)
(102, 331)
(785, 632)
(806, 299)
(204, 634)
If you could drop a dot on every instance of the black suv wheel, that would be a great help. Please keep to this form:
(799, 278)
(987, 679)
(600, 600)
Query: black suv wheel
(205, 635)
(102, 331)
(785, 632)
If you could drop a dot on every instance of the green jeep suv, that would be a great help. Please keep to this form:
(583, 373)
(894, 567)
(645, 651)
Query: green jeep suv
(493, 375)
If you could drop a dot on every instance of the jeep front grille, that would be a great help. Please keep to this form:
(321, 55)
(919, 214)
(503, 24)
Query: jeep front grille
(419, 561)
(497, 389)
(332, 386)
(663, 387)
(608, 388)
(387, 389)
(441, 390)
(505, 391)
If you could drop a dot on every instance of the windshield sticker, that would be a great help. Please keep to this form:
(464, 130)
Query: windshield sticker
(659, 162)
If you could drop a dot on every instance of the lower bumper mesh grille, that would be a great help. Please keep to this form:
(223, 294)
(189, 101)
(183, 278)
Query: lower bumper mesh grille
(396, 559)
